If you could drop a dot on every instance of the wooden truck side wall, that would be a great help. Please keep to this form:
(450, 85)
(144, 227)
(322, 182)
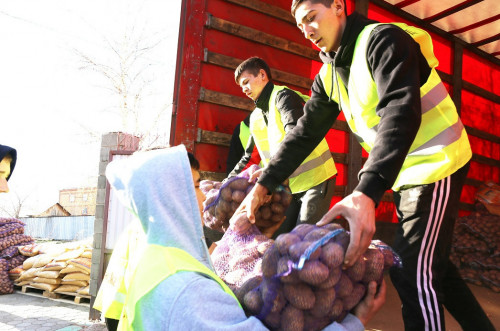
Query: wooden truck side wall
(216, 35)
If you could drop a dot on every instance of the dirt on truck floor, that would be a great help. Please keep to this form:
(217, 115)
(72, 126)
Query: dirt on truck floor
(389, 317)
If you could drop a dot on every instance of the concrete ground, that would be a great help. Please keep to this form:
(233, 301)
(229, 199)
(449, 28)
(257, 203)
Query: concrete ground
(29, 312)
(389, 317)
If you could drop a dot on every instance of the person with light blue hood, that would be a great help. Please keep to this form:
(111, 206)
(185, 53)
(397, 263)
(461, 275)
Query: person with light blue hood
(174, 286)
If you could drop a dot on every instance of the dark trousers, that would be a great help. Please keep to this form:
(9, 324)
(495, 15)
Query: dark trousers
(308, 206)
(111, 324)
(428, 280)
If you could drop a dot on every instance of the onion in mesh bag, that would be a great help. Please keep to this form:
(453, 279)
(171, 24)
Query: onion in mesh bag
(303, 284)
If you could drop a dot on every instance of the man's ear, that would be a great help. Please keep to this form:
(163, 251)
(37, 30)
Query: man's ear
(339, 6)
(263, 74)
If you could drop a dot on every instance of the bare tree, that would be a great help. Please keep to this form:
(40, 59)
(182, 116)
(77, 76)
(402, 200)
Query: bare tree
(13, 204)
(128, 74)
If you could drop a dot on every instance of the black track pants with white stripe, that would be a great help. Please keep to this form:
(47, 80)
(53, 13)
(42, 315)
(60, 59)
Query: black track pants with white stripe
(428, 280)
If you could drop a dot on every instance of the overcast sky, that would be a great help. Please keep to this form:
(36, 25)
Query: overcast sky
(53, 111)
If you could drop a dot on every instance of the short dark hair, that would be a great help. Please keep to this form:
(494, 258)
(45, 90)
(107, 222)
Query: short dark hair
(253, 66)
(296, 3)
(193, 162)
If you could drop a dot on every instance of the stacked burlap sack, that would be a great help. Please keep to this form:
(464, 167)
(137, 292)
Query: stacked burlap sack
(60, 268)
(222, 200)
(476, 248)
(297, 281)
(11, 236)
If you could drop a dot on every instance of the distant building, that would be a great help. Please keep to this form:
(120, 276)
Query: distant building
(79, 201)
(55, 210)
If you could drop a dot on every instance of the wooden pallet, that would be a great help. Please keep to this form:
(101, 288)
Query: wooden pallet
(77, 298)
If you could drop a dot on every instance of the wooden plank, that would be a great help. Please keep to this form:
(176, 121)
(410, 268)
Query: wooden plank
(355, 162)
(227, 100)
(466, 206)
(388, 197)
(214, 138)
(481, 92)
(224, 139)
(267, 9)
(483, 135)
(469, 87)
(188, 74)
(210, 175)
(77, 298)
(341, 126)
(278, 75)
(261, 37)
(232, 101)
(485, 160)
(457, 76)
(447, 78)
(473, 182)
(361, 6)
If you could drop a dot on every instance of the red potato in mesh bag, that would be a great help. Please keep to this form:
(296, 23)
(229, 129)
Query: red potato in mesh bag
(304, 268)
(237, 257)
(223, 199)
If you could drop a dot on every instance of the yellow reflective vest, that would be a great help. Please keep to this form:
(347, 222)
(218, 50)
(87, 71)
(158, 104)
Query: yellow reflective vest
(315, 169)
(244, 134)
(441, 145)
(112, 292)
(157, 263)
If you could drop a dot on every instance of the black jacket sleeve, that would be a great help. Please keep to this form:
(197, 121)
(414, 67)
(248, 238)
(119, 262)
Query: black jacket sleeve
(242, 163)
(319, 115)
(398, 69)
(291, 108)
(236, 149)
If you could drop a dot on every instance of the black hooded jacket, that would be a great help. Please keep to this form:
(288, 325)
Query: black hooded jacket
(4, 150)
(398, 69)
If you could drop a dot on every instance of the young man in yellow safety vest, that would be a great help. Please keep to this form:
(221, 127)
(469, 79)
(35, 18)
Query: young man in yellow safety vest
(173, 285)
(383, 77)
(277, 110)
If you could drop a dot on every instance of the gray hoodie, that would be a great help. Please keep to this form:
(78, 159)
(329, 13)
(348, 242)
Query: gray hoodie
(157, 186)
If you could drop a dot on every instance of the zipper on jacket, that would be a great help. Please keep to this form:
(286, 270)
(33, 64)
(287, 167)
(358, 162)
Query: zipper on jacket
(334, 72)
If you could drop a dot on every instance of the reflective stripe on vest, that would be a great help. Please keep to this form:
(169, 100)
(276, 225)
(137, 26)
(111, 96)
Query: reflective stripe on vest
(112, 292)
(157, 263)
(315, 169)
(441, 145)
(244, 134)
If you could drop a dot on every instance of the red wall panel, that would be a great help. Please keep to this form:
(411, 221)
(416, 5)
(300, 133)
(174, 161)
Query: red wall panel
(481, 73)
(219, 118)
(256, 20)
(223, 43)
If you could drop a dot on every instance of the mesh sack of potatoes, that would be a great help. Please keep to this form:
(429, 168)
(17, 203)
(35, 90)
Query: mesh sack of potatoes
(6, 285)
(9, 252)
(15, 240)
(11, 228)
(222, 201)
(303, 284)
(9, 220)
(16, 261)
(475, 249)
(238, 255)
